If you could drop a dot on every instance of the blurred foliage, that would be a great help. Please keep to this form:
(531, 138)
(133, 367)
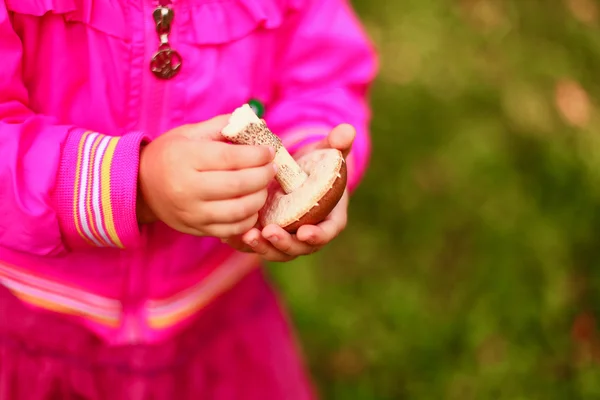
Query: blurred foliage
(470, 269)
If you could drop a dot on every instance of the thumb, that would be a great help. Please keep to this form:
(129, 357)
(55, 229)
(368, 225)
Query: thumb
(342, 138)
(210, 129)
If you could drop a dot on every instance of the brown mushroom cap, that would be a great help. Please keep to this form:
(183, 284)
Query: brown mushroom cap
(314, 200)
(305, 190)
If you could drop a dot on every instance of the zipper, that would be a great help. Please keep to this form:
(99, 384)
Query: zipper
(153, 104)
(165, 63)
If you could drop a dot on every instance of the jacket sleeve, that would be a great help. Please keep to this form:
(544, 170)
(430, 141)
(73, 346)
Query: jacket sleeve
(326, 67)
(61, 187)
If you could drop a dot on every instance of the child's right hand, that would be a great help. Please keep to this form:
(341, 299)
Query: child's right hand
(197, 184)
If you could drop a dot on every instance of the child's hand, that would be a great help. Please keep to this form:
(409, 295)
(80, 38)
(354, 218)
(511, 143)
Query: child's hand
(197, 184)
(275, 244)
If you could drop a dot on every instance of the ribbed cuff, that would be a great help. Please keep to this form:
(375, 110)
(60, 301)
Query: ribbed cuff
(97, 188)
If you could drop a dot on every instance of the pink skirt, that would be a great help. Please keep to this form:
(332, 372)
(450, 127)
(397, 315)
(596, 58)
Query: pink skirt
(240, 347)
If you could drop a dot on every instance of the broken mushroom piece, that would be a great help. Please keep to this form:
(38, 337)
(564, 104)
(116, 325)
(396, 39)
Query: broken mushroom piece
(309, 188)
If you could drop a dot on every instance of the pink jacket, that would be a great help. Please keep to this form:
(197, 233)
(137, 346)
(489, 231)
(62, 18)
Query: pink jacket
(76, 99)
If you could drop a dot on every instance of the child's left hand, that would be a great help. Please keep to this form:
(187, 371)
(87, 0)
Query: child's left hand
(277, 245)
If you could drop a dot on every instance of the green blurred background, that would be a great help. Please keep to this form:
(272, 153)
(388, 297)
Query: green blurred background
(470, 269)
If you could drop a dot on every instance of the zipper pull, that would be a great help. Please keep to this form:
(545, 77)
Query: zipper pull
(166, 62)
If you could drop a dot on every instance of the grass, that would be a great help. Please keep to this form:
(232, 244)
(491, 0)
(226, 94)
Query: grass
(470, 269)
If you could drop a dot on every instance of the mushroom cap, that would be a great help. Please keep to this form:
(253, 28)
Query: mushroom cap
(312, 202)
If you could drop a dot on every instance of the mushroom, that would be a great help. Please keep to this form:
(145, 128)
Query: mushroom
(308, 188)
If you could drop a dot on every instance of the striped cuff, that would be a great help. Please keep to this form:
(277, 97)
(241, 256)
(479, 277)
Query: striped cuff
(97, 188)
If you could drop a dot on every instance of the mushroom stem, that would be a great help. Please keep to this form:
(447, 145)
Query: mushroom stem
(289, 174)
(246, 128)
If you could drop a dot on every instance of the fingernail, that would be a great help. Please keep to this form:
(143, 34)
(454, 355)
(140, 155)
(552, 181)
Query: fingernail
(273, 239)
(274, 167)
(310, 240)
(272, 151)
(253, 243)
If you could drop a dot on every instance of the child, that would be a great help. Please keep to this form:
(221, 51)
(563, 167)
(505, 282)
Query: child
(129, 256)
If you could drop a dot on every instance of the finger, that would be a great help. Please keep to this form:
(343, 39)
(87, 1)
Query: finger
(238, 244)
(222, 156)
(325, 232)
(221, 185)
(329, 229)
(210, 129)
(232, 210)
(315, 235)
(253, 239)
(286, 243)
(264, 248)
(225, 231)
(311, 234)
